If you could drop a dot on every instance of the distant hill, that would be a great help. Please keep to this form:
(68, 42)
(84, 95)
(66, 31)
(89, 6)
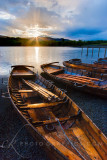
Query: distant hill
(2, 36)
(40, 38)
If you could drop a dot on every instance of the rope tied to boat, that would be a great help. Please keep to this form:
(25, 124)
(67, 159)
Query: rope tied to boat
(69, 139)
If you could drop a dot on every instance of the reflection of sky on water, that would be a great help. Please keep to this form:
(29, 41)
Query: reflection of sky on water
(38, 55)
(4, 68)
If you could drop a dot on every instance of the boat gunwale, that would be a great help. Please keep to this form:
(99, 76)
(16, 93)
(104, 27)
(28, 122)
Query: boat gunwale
(85, 67)
(22, 66)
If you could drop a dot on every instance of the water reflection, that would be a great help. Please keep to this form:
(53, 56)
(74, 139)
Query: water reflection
(38, 55)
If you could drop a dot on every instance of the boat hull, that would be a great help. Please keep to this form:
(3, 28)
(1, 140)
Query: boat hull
(40, 139)
(93, 71)
(81, 87)
(54, 147)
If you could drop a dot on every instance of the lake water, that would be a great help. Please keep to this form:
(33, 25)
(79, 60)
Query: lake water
(38, 55)
(94, 107)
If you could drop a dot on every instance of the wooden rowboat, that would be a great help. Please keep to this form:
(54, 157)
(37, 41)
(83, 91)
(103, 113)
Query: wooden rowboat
(97, 69)
(54, 119)
(102, 61)
(65, 75)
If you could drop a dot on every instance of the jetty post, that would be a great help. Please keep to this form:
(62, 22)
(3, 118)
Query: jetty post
(87, 52)
(99, 52)
(92, 51)
(81, 52)
(105, 53)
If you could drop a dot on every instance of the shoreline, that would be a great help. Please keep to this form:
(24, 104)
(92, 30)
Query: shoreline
(86, 46)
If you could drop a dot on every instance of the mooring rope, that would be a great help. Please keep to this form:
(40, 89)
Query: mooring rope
(69, 139)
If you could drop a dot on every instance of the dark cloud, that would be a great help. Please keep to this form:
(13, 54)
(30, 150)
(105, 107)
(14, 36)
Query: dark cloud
(82, 31)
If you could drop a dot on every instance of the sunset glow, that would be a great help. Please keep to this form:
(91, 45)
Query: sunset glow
(33, 31)
(62, 19)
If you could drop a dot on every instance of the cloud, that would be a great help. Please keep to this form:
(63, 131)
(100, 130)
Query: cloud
(77, 19)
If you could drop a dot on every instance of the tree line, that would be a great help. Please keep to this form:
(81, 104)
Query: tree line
(11, 41)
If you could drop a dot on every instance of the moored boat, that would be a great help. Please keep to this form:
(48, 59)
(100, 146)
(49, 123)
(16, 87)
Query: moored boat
(102, 61)
(67, 76)
(97, 69)
(54, 119)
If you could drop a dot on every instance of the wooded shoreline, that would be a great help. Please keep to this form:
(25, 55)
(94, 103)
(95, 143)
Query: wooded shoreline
(46, 41)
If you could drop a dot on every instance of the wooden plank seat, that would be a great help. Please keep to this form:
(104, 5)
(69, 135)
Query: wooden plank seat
(42, 105)
(76, 80)
(53, 121)
(22, 91)
(80, 77)
(53, 70)
(21, 72)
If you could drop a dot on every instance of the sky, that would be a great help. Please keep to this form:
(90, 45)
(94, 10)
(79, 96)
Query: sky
(73, 19)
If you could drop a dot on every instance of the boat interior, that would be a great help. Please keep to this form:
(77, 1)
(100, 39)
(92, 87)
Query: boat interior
(102, 61)
(56, 117)
(19, 71)
(78, 76)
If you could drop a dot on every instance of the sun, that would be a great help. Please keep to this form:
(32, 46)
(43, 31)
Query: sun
(33, 31)
(36, 34)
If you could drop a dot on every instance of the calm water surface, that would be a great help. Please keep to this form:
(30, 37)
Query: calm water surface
(10, 123)
(38, 55)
